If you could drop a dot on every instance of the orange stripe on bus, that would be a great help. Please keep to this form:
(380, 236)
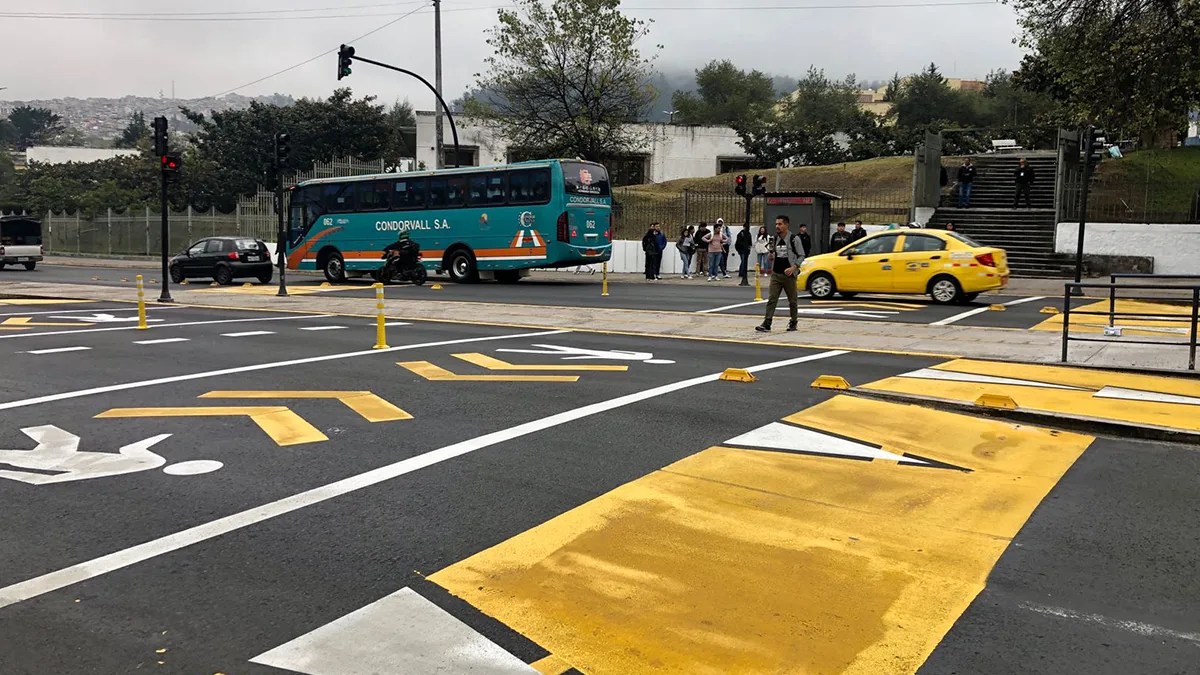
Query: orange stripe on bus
(299, 254)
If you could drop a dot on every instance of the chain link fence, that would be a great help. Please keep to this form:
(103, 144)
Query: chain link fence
(635, 209)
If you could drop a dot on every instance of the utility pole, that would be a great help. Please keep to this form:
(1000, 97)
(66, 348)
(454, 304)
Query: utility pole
(168, 172)
(283, 148)
(437, 83)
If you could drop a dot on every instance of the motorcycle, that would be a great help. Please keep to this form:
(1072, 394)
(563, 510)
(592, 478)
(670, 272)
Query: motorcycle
(402, 265)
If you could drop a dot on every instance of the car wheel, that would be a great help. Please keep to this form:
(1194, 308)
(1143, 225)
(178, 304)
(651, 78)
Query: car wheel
(968, 298)
(846, 295)
(945, 290)
(821, 286)
(223, 275)
(335, 268)
(176, 274)
(508, 276)
(30, 265)
(462, 267)
(265, 278)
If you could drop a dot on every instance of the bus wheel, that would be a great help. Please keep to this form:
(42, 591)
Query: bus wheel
(335, 268)
(508, 276)
(462, 267)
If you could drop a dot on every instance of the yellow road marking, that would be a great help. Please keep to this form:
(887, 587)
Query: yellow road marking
(281, 424)
(371, 407)
(431, 372)
(1163, 326)
(746, 561)
(25, 322)
(1063, 401)
(551, 665)
(492, 363)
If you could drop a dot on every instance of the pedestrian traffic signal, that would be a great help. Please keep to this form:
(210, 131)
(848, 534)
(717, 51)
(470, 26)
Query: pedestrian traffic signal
(739, 184)
(160, 136)
(171, 164)
(345, 58)
(1095, 146)
(760, 185)
(283, 147)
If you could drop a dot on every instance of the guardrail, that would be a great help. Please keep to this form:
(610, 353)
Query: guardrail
(1112, 279)
(1074, 290)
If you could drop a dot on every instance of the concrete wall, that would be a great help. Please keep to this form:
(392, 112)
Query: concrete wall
(56, 155)
(1174, 248)
(672, 152)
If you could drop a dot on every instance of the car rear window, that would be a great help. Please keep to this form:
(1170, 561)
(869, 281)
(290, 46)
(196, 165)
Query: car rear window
(247, 245)
(965, 239)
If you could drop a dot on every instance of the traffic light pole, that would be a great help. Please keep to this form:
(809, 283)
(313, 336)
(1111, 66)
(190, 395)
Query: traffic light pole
(165, 296)
(281, 239)
(436, 93)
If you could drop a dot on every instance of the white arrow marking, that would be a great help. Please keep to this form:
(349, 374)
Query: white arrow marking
(102, 318)
(779, 436)
(577, 353)
(58, 451)
(838, 311)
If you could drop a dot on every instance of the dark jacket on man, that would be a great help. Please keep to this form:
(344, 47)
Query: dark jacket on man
(650, 243)
(806, 242)
(966, 174)
(839, 240)
(1024, 175)
(742, 245)
(858, 233)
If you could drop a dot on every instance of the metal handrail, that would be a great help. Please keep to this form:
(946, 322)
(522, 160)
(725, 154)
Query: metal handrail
(1071, 289)
(1112, 292)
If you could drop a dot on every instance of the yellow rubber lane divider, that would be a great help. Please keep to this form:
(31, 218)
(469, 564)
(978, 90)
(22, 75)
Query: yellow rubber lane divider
(492, 363)
(997, 308)
(281, 424)
(435, 287)
(370, 407)
(25, 323)
(1050, 310)
(1108, 396)
(996, 401)
(437, 374)
(551, 665)
(830, 382)
(738, 375)
(739, 560)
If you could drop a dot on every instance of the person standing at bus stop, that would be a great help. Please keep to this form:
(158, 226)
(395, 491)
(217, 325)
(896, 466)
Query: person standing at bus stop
(786, 258)
(653, 254)
(702, 249)
(715, 242)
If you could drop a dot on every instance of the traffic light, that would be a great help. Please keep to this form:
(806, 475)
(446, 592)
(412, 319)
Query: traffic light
(739, 184)
(171, 164)
(160, 136)
(1095, 146)
(760, 185)
(283, 147)
(345, 58)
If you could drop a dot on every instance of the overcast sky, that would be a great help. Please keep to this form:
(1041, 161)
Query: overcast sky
(89, 57)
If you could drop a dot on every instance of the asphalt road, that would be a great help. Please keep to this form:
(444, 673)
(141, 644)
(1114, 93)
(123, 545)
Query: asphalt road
(262, 535)
(725, 296)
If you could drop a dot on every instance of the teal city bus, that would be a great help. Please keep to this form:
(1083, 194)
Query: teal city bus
(494, 222)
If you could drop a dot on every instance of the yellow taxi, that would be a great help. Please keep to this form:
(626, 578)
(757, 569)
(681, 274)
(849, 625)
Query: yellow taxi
(947, 266)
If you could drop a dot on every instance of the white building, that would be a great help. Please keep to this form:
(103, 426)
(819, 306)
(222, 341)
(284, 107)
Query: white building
(55, 155)
(674, 151)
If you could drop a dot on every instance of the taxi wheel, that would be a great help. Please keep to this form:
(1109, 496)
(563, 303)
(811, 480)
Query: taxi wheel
(821, 286)
(945, 290)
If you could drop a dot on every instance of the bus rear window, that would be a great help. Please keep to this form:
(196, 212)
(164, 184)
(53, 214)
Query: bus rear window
(585, 179)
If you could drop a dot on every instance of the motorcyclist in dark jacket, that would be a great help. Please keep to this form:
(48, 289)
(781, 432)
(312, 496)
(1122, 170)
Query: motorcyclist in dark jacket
(401, 252)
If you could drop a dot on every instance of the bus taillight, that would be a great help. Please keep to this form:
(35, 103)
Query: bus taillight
(563, 228)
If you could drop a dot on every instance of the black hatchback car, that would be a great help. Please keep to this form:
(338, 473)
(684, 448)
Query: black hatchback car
(223, 259)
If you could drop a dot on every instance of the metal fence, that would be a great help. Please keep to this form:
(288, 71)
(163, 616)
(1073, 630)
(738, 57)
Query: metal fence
(1124, 202)
(634, 209)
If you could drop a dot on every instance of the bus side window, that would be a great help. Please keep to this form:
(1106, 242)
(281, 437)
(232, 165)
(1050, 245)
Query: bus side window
(497, 189)
(374, 196)
(408, 194)
(477, 190)
(529, 186)
(343, 201)
(447, 192)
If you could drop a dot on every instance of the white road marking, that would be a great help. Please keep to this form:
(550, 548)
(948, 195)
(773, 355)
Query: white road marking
(58, 451)
(954, 376)
(1139, 395)
(980, 310)
(249, 333)
(91, 569)
(194, 467)
(323, 328)
(160, 342)
(1146, 629)
(394, 323)
(779, 436)
(722, 309)
(164, 325)
(58, 350)
(258, 366)
(400, 633)
(93, 309)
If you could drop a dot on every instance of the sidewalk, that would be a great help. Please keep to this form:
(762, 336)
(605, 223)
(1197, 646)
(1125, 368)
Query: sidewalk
(949, 341)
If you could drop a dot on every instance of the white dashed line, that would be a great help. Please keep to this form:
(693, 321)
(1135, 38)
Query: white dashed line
(323, 328)
(396, 323)
(249, 333)
(159, 342)
(58, 350)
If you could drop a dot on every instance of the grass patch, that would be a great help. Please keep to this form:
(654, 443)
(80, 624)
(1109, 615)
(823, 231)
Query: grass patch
(1148, 185)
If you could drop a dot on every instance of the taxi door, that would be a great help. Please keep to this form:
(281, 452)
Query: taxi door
(919, 257)
(868, 265)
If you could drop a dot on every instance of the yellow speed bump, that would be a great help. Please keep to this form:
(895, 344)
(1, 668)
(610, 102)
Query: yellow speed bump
(184, 282)
(325, 284)
(281, 424)
(491, 363)
(997, 308)
(996, 401)
(1050, 310)
(830, 382)
(738, 375)
(371, 407)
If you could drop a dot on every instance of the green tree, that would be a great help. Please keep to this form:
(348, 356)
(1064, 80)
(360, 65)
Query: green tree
(402, 124)
(34, 126)
(807, 127)
(135, 131)
(566, 79)
(724, 95)
(1130, 65)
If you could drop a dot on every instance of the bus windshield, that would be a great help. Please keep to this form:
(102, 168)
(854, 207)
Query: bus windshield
(585, 179)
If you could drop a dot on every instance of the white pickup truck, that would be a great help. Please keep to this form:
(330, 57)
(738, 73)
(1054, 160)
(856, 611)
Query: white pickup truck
(20, 241)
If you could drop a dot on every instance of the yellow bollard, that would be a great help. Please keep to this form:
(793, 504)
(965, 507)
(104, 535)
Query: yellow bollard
(604, 283)
(380, 321)
(141, 305)
(757, 283)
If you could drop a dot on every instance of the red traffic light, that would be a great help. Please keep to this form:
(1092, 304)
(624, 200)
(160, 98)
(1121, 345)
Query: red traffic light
(170, 163)
(739, 184)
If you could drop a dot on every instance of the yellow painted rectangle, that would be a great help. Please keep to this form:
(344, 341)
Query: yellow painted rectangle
(736, 561)
(281, 424)
(1164, 325)
(492, 363)
(371, 407)
(1062, 401)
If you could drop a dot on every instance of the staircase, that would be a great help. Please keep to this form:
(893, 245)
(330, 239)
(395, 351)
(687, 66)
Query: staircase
(1027, 235)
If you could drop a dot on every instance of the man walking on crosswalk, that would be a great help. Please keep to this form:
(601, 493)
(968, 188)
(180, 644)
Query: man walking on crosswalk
(785, 260)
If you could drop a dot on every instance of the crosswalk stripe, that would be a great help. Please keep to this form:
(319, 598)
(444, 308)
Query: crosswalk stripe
(57, 350)
(159, 342)
(249, 333)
